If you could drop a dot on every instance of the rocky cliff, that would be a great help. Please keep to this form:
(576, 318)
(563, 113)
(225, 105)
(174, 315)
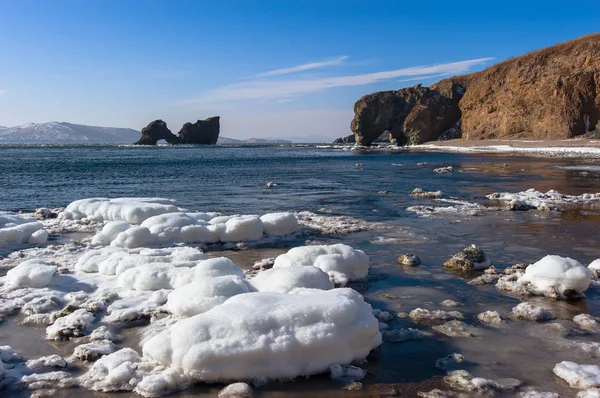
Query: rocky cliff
(552, 93)
(203, 132)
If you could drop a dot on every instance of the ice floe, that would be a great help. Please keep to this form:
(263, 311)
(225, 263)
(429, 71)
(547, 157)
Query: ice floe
(456, 207)
(464, 381)
(530, 312)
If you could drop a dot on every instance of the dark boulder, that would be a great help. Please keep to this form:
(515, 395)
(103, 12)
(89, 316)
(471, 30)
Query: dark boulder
(156, 131)
(349, 139)
(203, 132)
(412, 115)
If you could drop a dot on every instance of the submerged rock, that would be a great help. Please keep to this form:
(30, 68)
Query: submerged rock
(409, 260)
(468, 259)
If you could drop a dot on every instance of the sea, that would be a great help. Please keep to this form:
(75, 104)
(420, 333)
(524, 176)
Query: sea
(375, 187)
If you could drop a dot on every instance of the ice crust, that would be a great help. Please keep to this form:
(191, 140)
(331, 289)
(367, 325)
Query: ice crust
(270, 336)
(341, 262)
(17, 229)
(132, 210)
(532, 199)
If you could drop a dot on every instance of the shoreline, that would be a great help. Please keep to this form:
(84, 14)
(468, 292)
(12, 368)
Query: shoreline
(550, 148)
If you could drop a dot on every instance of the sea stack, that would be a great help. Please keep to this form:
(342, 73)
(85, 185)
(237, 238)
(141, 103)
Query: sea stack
(203, 132)
(156, 131)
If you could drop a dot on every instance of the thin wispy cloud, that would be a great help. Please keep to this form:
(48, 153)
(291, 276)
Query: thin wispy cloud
(287, 88)
(2, 92)
(412, 79)
(304, 67)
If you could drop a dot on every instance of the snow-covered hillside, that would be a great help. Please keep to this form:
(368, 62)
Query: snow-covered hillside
(66, 133)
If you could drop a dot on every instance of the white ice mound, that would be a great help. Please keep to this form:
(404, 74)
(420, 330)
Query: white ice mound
(156, 276)
(16, 230)
(595, 264)
(269, 336)
(115, 260)
(109, 232)
(284, 280)
(532, 199)
(113, 372)
(132, 210)
(555, 275)
(30, 273)
(578, 376)
(278, 224)
(201, 295)
(195, 227)
(341, 262)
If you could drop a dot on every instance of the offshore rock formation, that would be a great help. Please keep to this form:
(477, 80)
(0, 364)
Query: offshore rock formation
(156, 131)
(553, 93)
(203, 132)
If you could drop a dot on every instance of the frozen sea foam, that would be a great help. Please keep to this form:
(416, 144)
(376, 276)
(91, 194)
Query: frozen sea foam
(269, 336)
(343, 263)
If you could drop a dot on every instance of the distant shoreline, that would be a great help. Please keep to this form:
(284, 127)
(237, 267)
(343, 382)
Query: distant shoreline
(562, 148)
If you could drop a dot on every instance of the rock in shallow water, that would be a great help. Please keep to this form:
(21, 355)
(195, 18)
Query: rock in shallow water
(468, 259)
(409, 260)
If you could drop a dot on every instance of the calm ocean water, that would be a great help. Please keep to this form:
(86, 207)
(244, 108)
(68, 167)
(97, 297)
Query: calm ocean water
(232, 180)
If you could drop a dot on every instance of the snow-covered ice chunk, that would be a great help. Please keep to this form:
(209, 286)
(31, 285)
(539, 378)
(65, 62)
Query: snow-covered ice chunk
(587, 323)
(464, 381)
(113, 372)
(530, 312)
(242, 228)
(236, 390)
(154, 276)
(491, 318)
(469, 258)
(532, 199)
(270, 336)
(50, 361)
(578, 376)
(400, 335)
(109, 232)
(17, 229)
(56, 379)
(556, 276)
(283, 280)
(456, 329)
(424, 315)
(203, 294)
(532, 393)
(278, 224)
(341, 262)
(30, 273)
(132, 210)
(133, 237)
(91, 351)
(218, 266)
(589, 393)
(76, 324)
(449, 362)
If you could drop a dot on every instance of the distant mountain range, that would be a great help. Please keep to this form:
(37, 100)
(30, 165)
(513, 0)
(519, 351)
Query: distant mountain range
(68, 133)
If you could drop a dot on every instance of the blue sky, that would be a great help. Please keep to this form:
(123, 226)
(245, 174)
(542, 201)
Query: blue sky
(268, 68)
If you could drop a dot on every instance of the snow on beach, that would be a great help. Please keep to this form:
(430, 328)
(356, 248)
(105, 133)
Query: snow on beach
(202, 318)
